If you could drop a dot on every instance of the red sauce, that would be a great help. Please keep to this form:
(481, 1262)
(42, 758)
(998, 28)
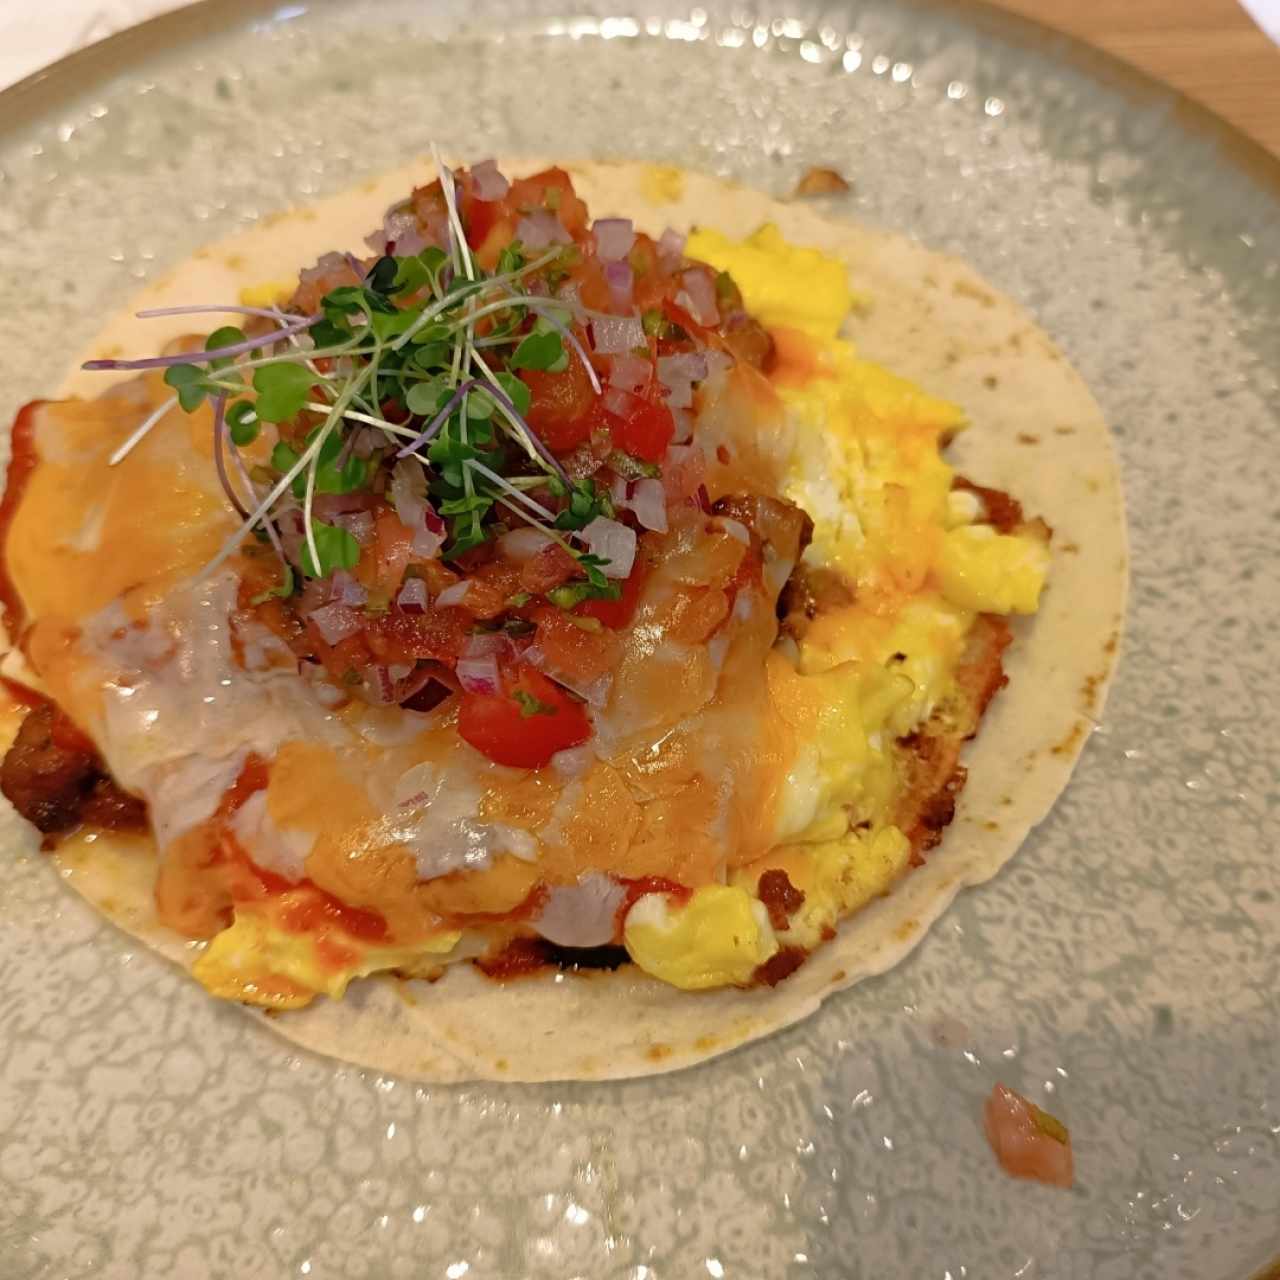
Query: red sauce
(528, 906)
(312, 910)
(780, 897)
(22, 462)
(20, 694)
(636, 889)
(782, 964)
(306, 907)
(521, 956)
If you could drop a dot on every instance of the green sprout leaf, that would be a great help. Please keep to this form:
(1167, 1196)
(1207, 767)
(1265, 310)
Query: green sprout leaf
(585, 504)
(345, 479)
(426, 399)
(543, 351)
(381, 277)
(243, 423)
(531, 706)
(282, 390)
(336, 547)
(283, 591)
(511, 258)
(188, 381)
(227, 336)
(516, 392)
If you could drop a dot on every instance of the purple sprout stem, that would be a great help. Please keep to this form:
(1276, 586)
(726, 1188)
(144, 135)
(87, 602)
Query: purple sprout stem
(220, 453)
(432, 429)
(203, 357)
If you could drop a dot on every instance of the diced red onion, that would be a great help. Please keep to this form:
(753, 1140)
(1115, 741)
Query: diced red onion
(583, 914)
(324, 506)
(670, 248)
(427, 541)
(619, 491)
(736, 529)
(629, 373)
(615, 238)
(318, 591)
(717, 361)
(649, 502)
(399, 233)
(478, 675)
(698, 297)
(453, 594)
(346, 590)
(336, 622)
(613, 543)
(683, 471)
(522, 545)
(613, 335)
(573, 762)
(488, 183)
(595, 694)
(541, 228)
(413, 596)
(359, 524)
(486, 644)
(621, 281)
(409, 493)
(678, 374)
(618, 402)
(382, 688)
(363, 442)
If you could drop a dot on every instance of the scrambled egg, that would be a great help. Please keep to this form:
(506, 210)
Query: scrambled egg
(256, 961)
(868, 470)
(718, 938)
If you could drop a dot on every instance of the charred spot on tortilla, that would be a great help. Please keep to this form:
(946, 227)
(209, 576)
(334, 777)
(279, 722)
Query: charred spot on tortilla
(528, 594)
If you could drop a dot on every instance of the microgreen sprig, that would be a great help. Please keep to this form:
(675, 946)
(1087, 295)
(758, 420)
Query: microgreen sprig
(396, 354)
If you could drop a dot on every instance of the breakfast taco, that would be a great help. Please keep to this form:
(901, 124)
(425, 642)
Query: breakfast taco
(536, 643)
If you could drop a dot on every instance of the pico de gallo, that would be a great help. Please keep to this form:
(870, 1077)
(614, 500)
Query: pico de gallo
(474, 429)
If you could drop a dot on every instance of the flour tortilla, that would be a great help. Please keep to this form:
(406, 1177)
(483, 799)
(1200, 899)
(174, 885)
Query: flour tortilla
(1036, 432)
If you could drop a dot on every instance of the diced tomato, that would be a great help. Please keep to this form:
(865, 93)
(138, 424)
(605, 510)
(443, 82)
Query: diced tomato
(393, 549)
(593, 288)
(551, 567)
(1028, 1142)
(523, 734)
(561, 404)
(643, 429)
(572, 650)
(351, 653)
(551, 189)
(397, 636)
(491, 588)
(618, 613)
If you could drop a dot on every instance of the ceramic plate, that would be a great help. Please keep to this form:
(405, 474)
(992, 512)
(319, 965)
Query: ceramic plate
(1122, 971)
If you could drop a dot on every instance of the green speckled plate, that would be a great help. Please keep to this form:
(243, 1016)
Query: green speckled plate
(1123, 970)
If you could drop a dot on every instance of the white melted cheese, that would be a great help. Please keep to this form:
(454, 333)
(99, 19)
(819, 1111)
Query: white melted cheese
(283, 850)
(181, 716)
(433, 814)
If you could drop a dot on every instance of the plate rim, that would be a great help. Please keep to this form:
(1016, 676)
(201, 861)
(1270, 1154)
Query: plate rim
(75, 74)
